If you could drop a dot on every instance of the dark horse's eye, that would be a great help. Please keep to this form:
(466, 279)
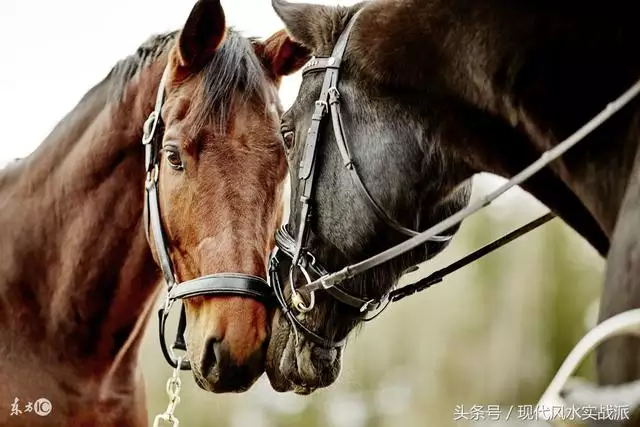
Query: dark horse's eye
(288, 138)
(173, 158)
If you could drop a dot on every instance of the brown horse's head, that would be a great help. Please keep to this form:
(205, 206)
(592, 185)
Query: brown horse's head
(220, 181)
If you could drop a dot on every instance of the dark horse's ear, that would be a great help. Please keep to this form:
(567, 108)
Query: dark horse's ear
(200, 37)
(281, 55)
(303, 20)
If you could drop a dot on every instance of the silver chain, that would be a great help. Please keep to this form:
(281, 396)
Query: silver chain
(173, 391)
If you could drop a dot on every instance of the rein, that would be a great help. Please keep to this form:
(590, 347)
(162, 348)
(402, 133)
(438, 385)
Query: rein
(302, 259)
(437, 276)
(547, 157)
(214, 284)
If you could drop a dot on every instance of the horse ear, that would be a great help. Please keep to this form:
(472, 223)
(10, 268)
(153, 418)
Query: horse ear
(201, 35)
(281, 55)
(302, 19)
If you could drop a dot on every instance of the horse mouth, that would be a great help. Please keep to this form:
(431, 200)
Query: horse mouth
(277, 352)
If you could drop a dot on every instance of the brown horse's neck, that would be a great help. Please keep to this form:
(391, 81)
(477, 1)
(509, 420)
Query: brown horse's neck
(77, 279)
(537, 69)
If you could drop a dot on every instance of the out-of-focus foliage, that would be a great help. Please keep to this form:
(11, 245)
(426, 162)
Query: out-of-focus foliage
(492, 333)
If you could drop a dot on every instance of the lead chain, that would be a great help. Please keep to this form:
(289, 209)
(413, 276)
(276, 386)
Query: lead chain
(173, 391)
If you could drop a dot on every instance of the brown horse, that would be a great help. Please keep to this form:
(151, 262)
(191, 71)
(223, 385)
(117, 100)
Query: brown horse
(78, 279)
(431, 92)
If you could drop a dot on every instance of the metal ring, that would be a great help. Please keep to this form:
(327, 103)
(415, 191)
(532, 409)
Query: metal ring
(179, 359)
(296, 298)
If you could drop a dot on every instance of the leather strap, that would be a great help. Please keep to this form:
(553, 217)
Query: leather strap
(308, 160)
(363, 305)
(437, 276)
(157, 235)
(225, 283)
(321, 64)
(179, 344)
(349, 164)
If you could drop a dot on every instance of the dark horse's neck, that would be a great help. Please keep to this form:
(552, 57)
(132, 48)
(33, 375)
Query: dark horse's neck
(520, 77)
(77, 279)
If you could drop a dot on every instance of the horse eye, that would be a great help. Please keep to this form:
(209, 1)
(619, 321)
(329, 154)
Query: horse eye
(173, 158)
(288, 138)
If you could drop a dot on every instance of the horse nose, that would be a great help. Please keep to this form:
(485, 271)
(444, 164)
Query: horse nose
(223, 373)
(324, 356)
(211, 356)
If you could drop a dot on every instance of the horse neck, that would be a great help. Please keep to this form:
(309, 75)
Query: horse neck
(539, 69)
(77, 278)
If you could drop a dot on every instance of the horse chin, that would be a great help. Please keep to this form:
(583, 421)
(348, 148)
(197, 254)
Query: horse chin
(295, 364)
(276, 351)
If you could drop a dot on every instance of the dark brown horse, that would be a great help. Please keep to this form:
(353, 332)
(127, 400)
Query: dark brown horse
(78, 279)
(430, 93)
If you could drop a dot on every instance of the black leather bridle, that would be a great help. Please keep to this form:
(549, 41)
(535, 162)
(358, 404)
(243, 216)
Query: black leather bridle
(215, 284)
(296, 249)
(302, 259)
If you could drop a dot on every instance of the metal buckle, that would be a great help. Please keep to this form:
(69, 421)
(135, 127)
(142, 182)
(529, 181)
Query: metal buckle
(334, 95)
(168, 302)
(324, 108)
(152, 177)
(149, 128)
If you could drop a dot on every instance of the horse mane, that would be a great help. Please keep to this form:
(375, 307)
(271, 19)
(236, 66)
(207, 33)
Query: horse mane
(130, 67)
(234, 68)
(234, 71)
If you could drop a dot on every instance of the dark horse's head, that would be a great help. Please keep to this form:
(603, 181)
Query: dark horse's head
(220, 180)
(400, 163)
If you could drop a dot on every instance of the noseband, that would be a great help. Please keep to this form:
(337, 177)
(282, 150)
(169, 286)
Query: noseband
(214, 284)
(302, 259)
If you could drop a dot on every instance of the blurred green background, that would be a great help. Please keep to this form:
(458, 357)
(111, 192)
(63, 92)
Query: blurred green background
(492, 333)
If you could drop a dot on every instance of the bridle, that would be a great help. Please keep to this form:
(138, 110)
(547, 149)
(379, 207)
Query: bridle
(303, 259)
(296, 249)
(213, 284)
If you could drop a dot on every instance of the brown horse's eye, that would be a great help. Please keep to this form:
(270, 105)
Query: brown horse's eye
(288, 138)
(173, 158)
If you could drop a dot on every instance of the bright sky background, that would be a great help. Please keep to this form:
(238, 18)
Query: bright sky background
(54, 51)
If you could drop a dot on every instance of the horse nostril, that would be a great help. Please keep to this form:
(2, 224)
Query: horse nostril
(211, 355)
(324, 355)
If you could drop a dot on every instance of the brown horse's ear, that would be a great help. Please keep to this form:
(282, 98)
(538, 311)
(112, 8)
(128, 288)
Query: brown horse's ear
(280, 55)
(201, 35)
